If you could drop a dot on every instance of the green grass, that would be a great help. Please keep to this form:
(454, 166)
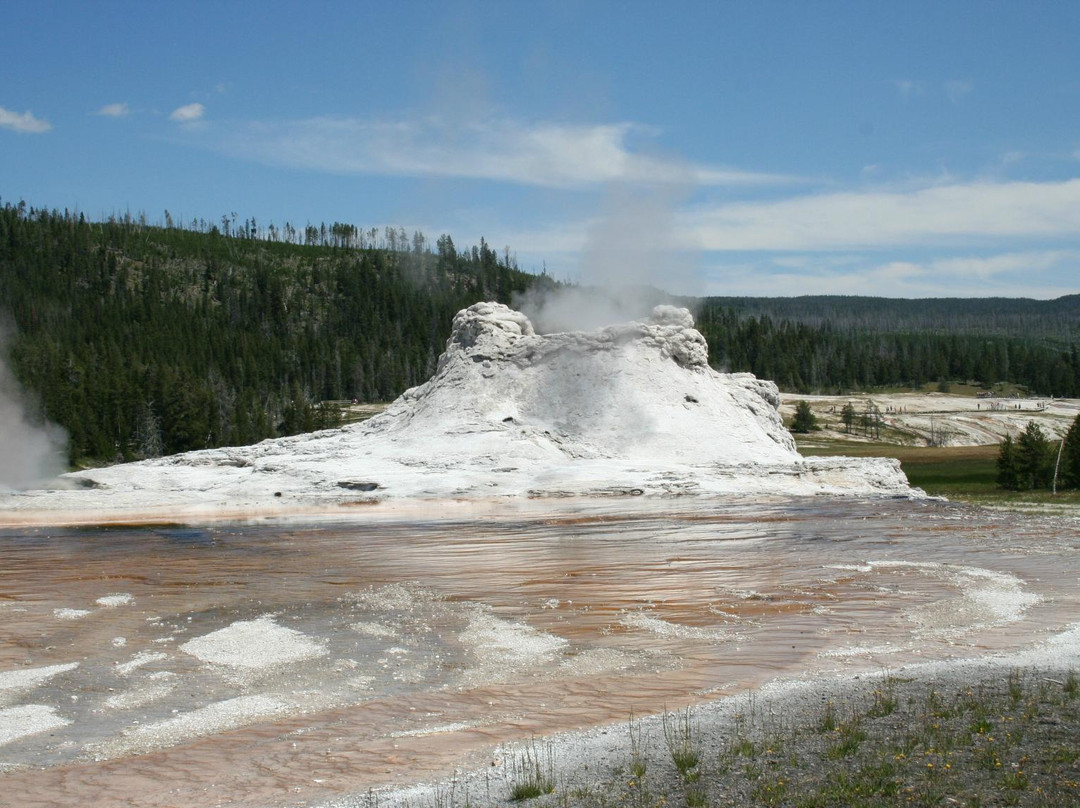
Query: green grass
(533, 774)
(679, 736)
(1002, 740)
(965, 473)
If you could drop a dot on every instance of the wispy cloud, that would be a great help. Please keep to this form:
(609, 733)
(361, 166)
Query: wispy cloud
(542, 154)
(907, 88)
(948, 214)
(1004, 275)
(956, 89)
(188, 113)
(24, 123)
(114, 111)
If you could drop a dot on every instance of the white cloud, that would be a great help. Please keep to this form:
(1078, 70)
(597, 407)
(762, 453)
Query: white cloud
(947, 214)
(188, 113)
(956, 89)
(24, 123)
(1018, 274)
(551, 155)
(114, 111)
(992, 266)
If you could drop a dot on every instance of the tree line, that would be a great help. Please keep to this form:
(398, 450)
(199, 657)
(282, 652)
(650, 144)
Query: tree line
(856, 351)
(1034, 461)
(1051, 320)
(142, 340)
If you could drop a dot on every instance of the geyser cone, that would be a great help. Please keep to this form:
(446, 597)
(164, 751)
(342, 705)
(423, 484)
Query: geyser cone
(627, 409)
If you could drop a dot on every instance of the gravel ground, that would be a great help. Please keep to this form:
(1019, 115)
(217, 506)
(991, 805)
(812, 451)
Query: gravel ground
(993, 731)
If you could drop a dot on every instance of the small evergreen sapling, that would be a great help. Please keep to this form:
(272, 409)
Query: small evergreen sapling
(805, 420)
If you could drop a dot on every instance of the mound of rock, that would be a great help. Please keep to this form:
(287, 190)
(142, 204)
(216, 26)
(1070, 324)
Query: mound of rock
(629, 409)
(639, 392)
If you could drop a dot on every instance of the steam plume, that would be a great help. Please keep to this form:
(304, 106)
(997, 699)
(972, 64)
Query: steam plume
(632, 252)
(30, 454)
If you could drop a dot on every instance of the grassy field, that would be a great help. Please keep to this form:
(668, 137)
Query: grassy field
(1005, 739)
(965, 473)
(995, 737)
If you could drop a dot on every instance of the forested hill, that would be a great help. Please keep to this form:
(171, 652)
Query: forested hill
(1057, 321)
(143, 340)
(834, 344)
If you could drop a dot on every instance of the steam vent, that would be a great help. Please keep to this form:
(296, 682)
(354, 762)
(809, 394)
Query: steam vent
(631, 409)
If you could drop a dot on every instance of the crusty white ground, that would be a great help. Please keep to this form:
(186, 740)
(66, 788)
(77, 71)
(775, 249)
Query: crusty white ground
(642, 621)
(372, 629)
(70, 614)
(214, 718)
(503, 649)
(157, 686)
(254, 645)
(28, 719)
(139, 660)
(118, 599)
(26, 678)
(950, 420)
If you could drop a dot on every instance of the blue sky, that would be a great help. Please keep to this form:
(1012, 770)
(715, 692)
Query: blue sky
(904, 150)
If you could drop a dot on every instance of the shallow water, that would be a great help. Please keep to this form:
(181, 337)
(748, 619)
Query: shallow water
(283, 664)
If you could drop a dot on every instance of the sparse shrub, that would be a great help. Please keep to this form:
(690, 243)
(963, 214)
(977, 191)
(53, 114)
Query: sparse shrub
(1016, 690)
(678, 734)
(638, 763)
(851, 737)
(532, 776)
(1014, 780)
(744, 747)
(884, 701)
(1072, 686)
(828, 718)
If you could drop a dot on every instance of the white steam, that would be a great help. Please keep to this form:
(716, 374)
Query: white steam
(632, 253)
(30, 454)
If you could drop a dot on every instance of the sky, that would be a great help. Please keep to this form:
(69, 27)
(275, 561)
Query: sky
(724, 148)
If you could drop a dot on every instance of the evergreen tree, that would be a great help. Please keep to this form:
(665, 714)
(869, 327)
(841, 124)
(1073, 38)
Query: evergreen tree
(1070, 457)
(1034, 460)
(805, 420)
(847, 415)
(1008, 473)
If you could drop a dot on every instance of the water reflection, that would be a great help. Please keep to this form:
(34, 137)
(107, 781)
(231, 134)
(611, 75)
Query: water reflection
(144, 663)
